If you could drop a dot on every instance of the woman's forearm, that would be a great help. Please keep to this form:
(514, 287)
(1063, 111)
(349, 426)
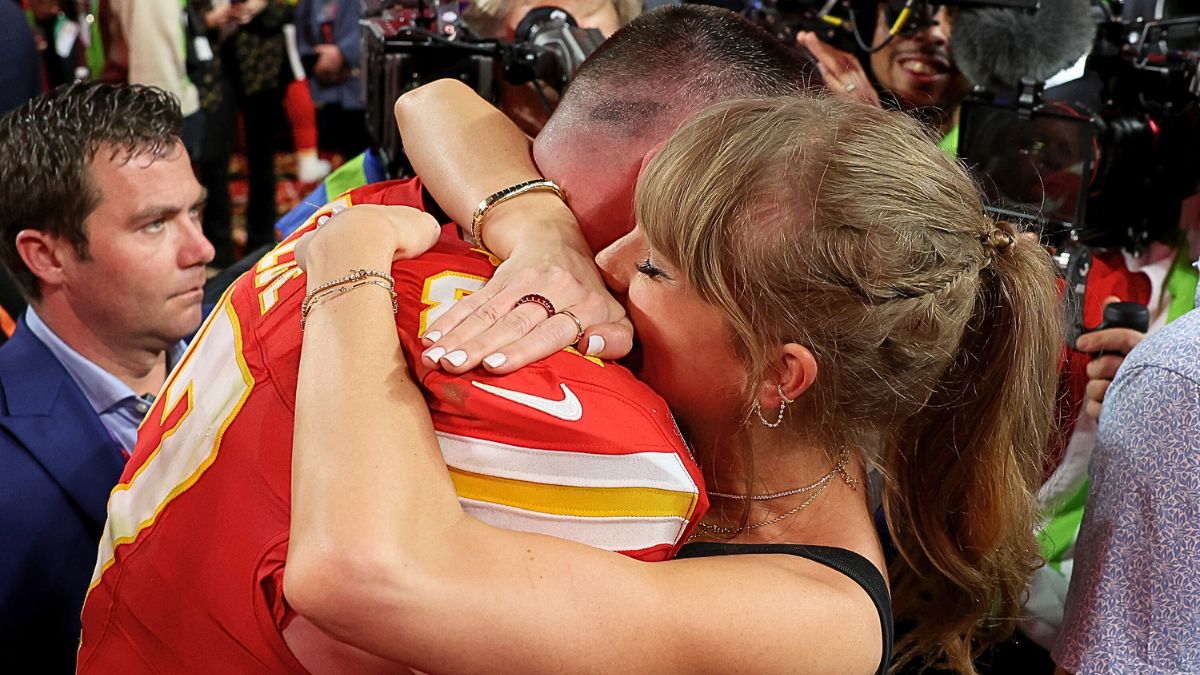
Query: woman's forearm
(464, 149)
(367, 474)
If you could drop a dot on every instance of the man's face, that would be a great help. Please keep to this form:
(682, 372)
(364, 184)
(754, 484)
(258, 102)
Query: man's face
(597, 174)
(143, 280)
(919, 69)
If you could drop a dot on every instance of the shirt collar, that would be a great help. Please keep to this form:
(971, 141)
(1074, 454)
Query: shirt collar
(102, 389)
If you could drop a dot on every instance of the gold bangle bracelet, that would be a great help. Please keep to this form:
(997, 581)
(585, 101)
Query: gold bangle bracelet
(504, 195)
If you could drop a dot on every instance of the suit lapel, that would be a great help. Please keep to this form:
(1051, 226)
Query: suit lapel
(50, 417)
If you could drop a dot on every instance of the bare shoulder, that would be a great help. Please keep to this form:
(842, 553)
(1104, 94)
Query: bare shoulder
(825, 619)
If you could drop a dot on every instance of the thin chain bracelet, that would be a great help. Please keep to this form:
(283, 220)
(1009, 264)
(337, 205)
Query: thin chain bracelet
(354, 275)
(338, 291)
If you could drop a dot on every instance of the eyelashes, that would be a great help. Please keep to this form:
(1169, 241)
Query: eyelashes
(649, 269)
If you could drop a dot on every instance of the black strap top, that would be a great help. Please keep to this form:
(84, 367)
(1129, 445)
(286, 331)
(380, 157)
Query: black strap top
(853, 565)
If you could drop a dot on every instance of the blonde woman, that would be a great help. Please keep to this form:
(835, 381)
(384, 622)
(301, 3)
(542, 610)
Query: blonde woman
(816, 289)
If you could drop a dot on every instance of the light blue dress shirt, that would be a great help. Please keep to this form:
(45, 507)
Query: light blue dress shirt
(119, 407)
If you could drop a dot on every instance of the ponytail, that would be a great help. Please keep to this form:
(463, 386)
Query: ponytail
(963, 473)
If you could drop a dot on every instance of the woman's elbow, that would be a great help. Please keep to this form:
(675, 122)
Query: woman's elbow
(332, 590)
(415, 99)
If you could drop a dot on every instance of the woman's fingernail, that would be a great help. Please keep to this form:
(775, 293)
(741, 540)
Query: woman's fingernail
(456, 357)
(433, 335)
(434, 353)
(595, 345)
(495, 360)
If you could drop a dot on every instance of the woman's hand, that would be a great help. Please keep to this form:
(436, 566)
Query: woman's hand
(843, 73)
(367, 235)
(488, 326)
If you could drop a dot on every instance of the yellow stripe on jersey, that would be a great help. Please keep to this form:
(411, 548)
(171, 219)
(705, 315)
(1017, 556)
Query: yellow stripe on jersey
(661, 470)
(621, 502)
(569, 500)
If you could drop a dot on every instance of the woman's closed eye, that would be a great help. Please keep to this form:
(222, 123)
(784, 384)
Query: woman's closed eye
(651, 270)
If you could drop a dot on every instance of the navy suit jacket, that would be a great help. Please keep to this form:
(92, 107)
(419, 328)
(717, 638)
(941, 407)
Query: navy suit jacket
(58, 463)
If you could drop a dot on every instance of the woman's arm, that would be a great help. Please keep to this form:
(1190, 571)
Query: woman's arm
(464, 150)
(382, 556)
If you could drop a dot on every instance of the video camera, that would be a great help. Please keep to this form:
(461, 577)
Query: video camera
(407, 43)
(1107, 160)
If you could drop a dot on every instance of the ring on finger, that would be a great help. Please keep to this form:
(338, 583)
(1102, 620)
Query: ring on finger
(578, 325)
(851, 87)
(537, 299)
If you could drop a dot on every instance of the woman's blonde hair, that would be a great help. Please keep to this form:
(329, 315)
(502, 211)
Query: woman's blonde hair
(843, 228)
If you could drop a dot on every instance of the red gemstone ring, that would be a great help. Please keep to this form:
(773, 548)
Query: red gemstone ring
(539, 299)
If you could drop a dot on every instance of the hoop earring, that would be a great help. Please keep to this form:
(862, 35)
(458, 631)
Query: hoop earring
(784, 402)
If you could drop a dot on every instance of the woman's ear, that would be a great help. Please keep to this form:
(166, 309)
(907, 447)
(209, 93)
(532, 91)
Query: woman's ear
(794, 371)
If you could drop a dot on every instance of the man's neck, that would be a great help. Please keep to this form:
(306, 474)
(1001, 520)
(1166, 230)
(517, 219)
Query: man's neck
(143, 369)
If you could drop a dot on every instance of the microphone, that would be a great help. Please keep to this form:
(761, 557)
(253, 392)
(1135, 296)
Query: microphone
(995, 48)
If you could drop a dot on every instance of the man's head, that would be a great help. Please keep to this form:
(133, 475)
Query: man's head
(638, 87)
(919, 69)
(101, 217)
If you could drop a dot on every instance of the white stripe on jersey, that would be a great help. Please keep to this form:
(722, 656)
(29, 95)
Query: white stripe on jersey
(660, 470)
(612, 534)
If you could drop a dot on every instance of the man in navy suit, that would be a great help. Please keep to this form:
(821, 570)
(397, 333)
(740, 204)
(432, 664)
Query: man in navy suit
(100, 230)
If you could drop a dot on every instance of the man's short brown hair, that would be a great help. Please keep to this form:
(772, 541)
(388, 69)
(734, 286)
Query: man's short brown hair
(46, 146)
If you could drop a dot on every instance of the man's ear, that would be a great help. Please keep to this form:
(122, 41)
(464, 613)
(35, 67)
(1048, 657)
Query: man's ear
(44, 254)
(794, 371)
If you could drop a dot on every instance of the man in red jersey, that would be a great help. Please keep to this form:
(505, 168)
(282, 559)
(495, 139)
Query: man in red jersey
(190, 569)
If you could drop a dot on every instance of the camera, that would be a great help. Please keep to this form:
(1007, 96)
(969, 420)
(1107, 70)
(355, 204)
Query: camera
(407, 43)
(1106, 160)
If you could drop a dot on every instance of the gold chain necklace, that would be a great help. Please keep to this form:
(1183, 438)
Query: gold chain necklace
(816, 488)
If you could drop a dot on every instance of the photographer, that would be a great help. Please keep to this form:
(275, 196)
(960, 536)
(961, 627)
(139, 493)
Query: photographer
(522, 103)
(530, 104)
(914, 72)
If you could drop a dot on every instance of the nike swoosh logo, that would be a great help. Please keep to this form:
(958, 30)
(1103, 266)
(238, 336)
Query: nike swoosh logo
(569, 408)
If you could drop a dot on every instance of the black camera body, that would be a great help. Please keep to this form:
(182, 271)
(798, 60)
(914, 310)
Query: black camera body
(1107, 160)
(407, 43)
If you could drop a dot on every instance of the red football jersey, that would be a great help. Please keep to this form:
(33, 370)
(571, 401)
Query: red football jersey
(190, 566)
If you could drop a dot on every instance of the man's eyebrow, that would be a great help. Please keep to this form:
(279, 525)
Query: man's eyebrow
(165, 211)
(153, 213)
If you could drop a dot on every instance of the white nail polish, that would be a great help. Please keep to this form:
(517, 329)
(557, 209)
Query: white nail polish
(495, 360)
(433, 335)
(595, 345)
(456, 357)
(434, 353)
